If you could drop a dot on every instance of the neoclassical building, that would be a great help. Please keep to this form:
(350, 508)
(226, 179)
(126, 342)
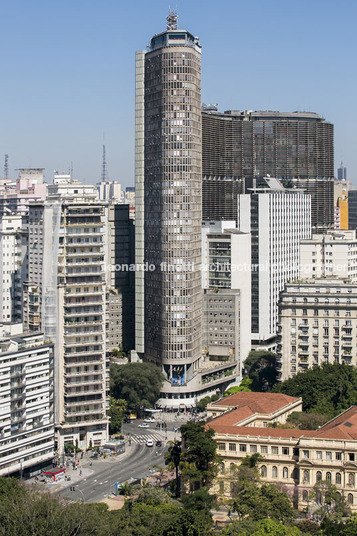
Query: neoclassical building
(294, 459)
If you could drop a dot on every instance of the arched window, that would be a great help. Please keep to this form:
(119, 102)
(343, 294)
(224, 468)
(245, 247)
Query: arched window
(232, 468)
(351, 479)
(318, 476)
(274, 472)
(305, 495)
(306, 476)
(285, 472)
(350, 498)
(221, 486)
(338, 478)
(263, 470)
(318, 497)
(328, 477)
(221, 467)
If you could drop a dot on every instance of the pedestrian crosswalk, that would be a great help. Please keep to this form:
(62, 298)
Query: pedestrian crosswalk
(136, 438)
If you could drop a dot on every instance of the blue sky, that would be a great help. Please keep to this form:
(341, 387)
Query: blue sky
(67, 72)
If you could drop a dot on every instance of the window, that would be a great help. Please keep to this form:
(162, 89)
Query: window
(350, 498)
(222, 446)
(274, 472)
(263, 471)
(328, 477)
(232, 468)
(305, 495)
(221, 467)
(351, 479)
(328, 455)
(253, 448)
(221, 487)
(243, 448)
(318, 497)
(275, 450)
(232, 447)
(264, 449)
(306, 476)
(338, 478)
(306, 453)
(285, 451)
(319, 454)
(351, 456)
(338, 455)
(285, 472)
(318, 476)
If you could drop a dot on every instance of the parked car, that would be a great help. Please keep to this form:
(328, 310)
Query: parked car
(149, 420)
(149, 443)
(143, 425)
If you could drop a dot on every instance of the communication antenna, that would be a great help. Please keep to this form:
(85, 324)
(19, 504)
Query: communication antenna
(104, 167)
(171, 20)
(6, 167)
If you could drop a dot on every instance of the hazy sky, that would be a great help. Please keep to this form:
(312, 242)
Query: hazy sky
(67, 72)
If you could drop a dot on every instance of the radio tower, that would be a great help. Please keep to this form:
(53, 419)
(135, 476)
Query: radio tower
(104, 167)
(6, 167)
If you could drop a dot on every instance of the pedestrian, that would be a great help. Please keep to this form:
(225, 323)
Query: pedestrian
(90, 463)
(80, 472)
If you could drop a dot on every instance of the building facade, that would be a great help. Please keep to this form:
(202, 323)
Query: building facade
(277, 219)
(295, 459)
(317, 325)
(296, 148)
(27, 433)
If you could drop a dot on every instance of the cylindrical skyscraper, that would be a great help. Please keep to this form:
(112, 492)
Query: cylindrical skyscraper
(172, 204)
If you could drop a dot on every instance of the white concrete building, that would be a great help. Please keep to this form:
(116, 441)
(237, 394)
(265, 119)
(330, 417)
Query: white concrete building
(27, 434)
(317, 324)
(66, 298)
(277, 219)
(330, 254)
(13, 265)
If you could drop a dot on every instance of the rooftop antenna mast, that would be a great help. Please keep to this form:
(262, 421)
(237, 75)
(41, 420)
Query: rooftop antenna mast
(6, 167)
(171, 20)
(104, 167)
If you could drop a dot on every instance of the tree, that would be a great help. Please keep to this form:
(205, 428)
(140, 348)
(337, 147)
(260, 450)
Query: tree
(244, 386)
(327, 390)
(203, 403)
(269, 527)
(117, 409)
(261, 367)
(329, 501)
(173, 459)
(307, 421)
(199, 460)
(137, 383)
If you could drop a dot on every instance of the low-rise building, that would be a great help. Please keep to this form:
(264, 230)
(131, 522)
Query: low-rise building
(317, 324)
(295, 459)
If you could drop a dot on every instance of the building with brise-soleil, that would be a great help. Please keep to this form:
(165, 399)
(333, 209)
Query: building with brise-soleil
(226, 281)
(27, 433)
(317, 325)
(65, 297)
(295, 459)
(277, 219)
(331, 254)
(296, 148)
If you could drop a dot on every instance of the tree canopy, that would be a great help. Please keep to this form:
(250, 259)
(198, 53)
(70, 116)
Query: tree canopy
(327, 390)
(137, 383)
(261, 367)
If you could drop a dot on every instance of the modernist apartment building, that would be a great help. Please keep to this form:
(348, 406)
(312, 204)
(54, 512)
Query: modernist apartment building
(331, 254)
(169, 209)
(66, 298)
(226, 281)
(277, 219)
(296, 459)
(27, 433)
(317, 324)
(296, 148)
(13, 265)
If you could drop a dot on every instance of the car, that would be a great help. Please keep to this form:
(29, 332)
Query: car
(149, 443)
(143, 425)
(158, 443)
(149, 420)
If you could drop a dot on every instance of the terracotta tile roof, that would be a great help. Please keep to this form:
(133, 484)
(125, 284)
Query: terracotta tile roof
(267, 400)
(258, 432)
